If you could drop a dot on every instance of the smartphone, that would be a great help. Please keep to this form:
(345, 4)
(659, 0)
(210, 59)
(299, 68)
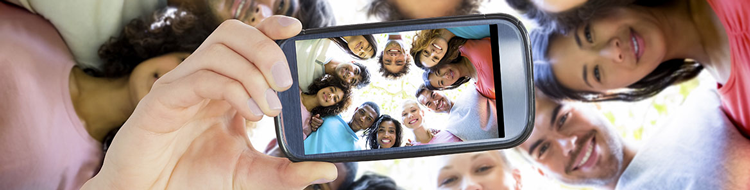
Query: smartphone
(407, 89)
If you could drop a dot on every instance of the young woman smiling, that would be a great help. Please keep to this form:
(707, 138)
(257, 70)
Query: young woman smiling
(633, 52)
(327, 96)
(384, 133)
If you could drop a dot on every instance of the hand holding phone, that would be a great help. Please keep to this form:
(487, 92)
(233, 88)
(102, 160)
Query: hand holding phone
(188, 132)
(446, 85)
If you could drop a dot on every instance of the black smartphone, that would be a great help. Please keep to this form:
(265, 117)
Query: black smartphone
(407, 89)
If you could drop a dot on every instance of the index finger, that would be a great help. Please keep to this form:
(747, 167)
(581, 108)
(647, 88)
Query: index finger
(257, 46)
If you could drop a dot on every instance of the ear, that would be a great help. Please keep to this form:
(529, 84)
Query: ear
(517, 177)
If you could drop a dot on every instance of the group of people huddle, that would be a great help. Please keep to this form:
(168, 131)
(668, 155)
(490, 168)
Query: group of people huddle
(448, 59)
(72, 80)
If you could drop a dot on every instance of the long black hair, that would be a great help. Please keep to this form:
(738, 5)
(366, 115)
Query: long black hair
(371, 132)
(328, 81)
(666, 74)
(345, 46)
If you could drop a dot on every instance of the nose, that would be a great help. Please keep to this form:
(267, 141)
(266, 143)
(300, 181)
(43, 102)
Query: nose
(613, 51)
(470, 184)
(260, 12)
(568, 144)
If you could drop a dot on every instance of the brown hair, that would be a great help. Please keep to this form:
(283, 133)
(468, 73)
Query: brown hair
(422, 40)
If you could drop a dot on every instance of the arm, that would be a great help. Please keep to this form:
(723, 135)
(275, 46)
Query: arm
(196, 114)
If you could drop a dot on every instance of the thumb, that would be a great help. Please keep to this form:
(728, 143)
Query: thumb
(303, 174)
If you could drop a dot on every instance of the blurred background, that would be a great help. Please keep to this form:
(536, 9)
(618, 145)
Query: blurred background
(634, 120)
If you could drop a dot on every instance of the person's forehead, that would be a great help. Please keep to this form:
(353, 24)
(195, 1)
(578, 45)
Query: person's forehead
(368, 109)
(567, 59)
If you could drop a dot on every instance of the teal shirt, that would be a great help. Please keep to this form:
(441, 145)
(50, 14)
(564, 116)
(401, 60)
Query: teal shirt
(333, 136)
(471, 32)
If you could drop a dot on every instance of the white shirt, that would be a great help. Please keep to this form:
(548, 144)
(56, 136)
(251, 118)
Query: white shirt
(699, 148)
(87, 24)
(311, 59)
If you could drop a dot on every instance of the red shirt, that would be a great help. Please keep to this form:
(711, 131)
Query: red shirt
(734, 15)
(479, 52)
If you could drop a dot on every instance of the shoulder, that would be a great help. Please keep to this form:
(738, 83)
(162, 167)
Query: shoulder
(333, 120)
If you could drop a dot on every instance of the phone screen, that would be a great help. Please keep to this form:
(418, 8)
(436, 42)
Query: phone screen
(399, 89)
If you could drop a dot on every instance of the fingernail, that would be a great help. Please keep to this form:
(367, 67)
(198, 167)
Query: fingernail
(281, 74)
(285, 21)
(273, 102)
(254, 107)
(322, 180)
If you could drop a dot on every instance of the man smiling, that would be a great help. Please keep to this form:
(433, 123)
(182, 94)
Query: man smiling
(336, 135)
(394, 61)
(578, 146)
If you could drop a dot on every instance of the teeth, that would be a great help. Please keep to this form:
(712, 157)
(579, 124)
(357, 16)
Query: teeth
(635, 44)
(237, 12)
(586, 157)
(386, 141)
(436, 46)
(393, 50)
(412, 121)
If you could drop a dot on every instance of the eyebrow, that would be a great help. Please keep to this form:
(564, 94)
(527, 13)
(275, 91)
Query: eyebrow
(578, 39)
(585, 76)
(446, 168)
(554, 114)
(552, 121)
(476, 156)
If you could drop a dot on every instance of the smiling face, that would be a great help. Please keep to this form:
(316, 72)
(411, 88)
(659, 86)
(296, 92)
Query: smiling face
(412, 114)
(329, 96)
(348, 72)
(386, 134)
(360, 46)
(146, 73)
(394, 56)
(435, 101)
(363, 118)
(445, 76)
(608, 53)
(434, 52)
(574, 144)
(477, 170)
(247, 11)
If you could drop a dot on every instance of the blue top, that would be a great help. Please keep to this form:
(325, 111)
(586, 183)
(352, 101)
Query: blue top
(471, 32)
(333, 136)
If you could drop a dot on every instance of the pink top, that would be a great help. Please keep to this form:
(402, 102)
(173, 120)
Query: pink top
(734, 15)
(479, 52)
(43, 144)
(306, 130)
(442, 137)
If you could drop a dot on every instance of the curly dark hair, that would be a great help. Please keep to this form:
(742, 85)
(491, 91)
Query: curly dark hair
(167, 30)
(345, 46)
(371, 133)
(365, 80)
(393, 76)
(315, 14)
(328, 81)
(386, 11)
(668, 73)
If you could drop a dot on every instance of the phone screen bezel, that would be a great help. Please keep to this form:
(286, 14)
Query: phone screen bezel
(515, 84)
